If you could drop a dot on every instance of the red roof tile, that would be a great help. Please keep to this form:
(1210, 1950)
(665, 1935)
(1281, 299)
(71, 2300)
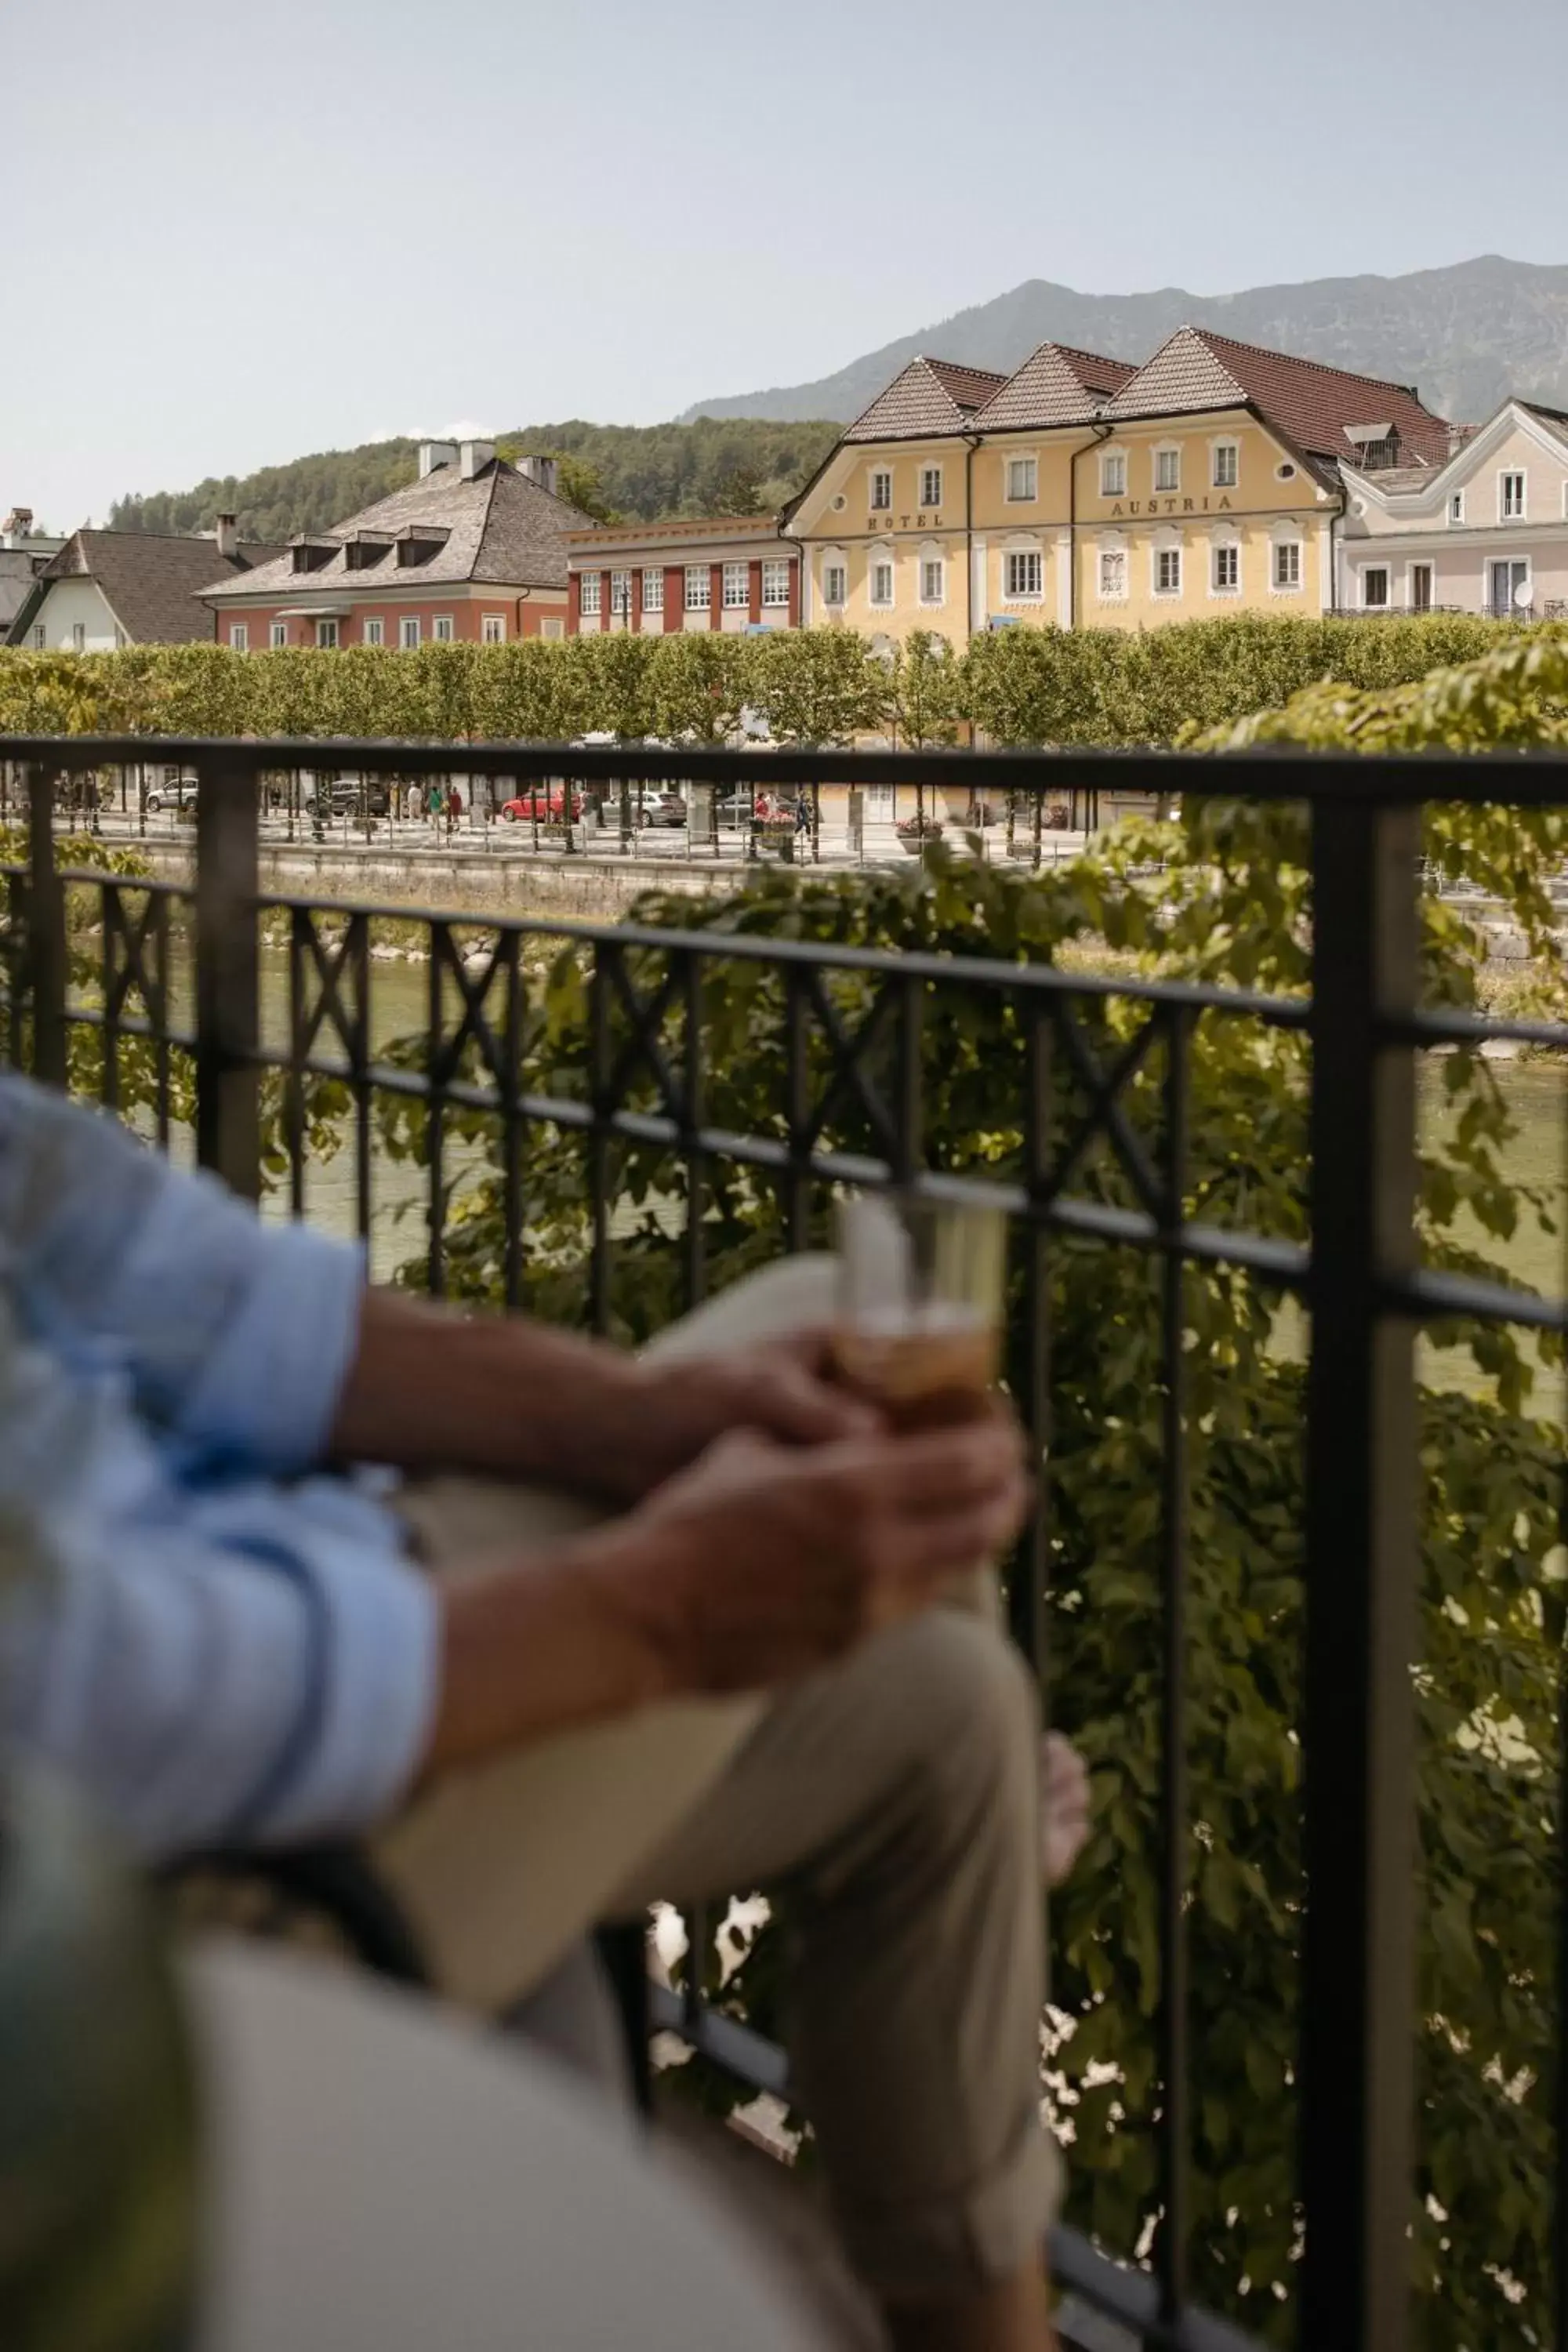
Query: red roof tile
(1312, 405)
(926, 397)
(1055, 385)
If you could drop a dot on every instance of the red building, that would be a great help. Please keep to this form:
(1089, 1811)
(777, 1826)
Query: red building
(474, 551)
(721, 572)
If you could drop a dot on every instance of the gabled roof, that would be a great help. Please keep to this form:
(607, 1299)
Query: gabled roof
(926, 398)
(149, 582)
(1312, 405)
(1055, 385)
(499, 527)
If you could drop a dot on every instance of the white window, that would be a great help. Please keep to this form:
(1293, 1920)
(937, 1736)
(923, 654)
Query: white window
(1168, 572)
(881, 489)
(372, 630)
(1112, 573)
(698, 588)
(441, 628)
(78, 636)
(1288, 563)
(1113, 474)
(930, 486)
(737, 588)
(492, 628)
(39, 637)
(590, 591)
(121, 639)
(553, 627)
(240, 637)
(835, 584)
(1374, 587)
(1024, 574)
(1510, 498)
(1227, 457)
(775, 584)
(1457, 507)
(1167, 469)
(408, 632)
(882, 581)
(327, 636)
(278, 636)
(653, 589)
(1022, 480)
(1227, 568)
(1421, 587)
(934, 581)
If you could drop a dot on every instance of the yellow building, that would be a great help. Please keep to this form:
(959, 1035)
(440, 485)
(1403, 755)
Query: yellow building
(1085, 491)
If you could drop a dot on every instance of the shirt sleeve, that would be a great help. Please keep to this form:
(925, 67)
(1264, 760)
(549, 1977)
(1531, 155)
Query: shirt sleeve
(266, 1683)
(237, 1335)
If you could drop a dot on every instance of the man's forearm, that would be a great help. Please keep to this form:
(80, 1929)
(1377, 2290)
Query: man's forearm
(428, 1390)
(539, 1647)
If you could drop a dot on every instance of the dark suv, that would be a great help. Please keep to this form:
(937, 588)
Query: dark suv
(348, 796)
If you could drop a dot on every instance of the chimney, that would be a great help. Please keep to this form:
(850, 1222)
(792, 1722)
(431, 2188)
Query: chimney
(228, 537)
(436, 453)
(473, 457)
(540, 470)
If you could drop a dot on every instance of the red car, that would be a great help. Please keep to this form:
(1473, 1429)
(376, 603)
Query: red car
(550, 808)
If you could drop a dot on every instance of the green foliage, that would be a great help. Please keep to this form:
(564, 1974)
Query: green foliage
(822, 686)
(817, 686)
(643, 472)
(1221, 895)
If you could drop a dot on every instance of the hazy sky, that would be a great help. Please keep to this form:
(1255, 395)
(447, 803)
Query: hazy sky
(234, 235)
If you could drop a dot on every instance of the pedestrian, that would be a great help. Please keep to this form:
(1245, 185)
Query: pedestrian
(802, 816)
(414, 800)
(454, 808)
(434, 804)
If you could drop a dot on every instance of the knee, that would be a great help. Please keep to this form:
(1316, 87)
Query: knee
(972, 1710)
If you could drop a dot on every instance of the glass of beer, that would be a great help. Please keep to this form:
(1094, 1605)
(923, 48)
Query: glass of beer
(921, 1290)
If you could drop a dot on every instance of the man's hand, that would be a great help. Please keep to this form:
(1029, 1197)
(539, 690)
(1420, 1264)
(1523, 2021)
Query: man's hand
(758, 1562)
(780, 1389)
(763, 1559)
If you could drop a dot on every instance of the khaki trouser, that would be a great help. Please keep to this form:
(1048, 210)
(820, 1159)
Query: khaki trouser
(894, 1794)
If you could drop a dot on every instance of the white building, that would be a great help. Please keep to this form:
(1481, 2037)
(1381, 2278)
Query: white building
(111, 588)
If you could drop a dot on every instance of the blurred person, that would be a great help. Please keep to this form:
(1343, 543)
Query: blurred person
(630, 1628)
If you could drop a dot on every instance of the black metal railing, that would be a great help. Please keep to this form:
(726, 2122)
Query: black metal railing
(179, 979)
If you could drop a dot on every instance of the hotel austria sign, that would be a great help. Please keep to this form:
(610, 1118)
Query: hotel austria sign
(1171, 506)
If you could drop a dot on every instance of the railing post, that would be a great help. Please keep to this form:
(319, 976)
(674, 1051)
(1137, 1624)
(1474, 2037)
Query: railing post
(1362, 1568)
(48, 965)
(228, 1135)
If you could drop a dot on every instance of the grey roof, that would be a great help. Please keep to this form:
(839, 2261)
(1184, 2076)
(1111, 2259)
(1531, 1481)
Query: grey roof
(499, 527)
(926, 398)
(149, 582)
(1055, 385)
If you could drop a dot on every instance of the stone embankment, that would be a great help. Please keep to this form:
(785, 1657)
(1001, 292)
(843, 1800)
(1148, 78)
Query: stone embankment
(492, 881)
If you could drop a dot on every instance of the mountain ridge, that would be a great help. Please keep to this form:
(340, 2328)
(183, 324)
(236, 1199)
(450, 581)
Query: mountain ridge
(1466, 334)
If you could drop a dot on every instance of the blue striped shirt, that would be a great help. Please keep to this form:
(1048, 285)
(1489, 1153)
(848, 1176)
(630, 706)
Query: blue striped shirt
(221, 1642)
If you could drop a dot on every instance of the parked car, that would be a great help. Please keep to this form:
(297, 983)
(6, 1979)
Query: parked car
(547, 808)
(771, 808)
(173, 793)
(348, 796)
(663, 808)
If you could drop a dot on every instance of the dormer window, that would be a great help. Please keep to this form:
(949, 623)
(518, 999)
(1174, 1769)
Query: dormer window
(1376, 445)
(367, 550)
(419, 543)
(313, 554)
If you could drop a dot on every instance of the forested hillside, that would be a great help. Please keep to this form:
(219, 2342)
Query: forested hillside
(644, 472)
